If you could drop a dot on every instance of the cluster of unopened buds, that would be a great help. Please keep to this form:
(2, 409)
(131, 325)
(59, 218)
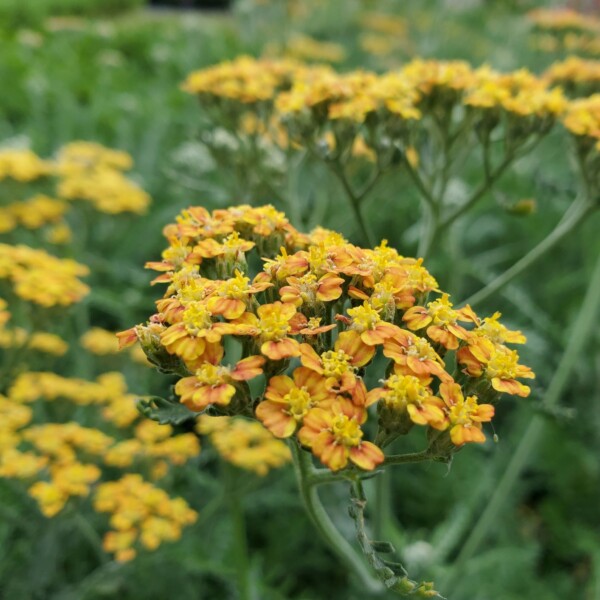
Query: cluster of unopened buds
(320, 339)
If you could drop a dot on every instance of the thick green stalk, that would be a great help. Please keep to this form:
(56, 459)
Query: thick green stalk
(304, 471)
(575, 217)
(583, 328)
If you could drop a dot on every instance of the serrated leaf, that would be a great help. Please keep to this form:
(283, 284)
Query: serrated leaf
(165, 412)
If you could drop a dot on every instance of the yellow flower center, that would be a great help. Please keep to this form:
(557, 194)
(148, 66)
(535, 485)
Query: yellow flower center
(347, 431)
(176, 254)
(191, 287)
(319, 259)
(403, 390)
(274, 325)
(299, 402)
(212, 375)
(364, 317)
(335, 363)
(503, 364)
(419, 278)
(236, 287)
(314, 323)
(196, 318)
(460, 413)
(307, 286)
(441, 311)
(493, 330)
(383, 294)
(422, 349)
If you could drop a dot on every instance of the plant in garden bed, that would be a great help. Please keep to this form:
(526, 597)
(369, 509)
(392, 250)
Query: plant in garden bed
(339, 349)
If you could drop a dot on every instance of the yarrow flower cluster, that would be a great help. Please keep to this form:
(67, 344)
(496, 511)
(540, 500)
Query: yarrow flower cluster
(298, 342)
(141, 515)
(312, 101)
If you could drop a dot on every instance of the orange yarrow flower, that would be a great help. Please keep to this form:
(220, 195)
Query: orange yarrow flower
(272, 327)
(465, 415)
(497, 363)
(213, 383)
(308, 289)
(334, 435)
(414, 355)
(409, 394)
(288, 400)
(339, 365)
(231, 297)
(441, 321)
(365, 323)
(196, 332)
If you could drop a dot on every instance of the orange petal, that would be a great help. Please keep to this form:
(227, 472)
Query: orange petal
(367, 456)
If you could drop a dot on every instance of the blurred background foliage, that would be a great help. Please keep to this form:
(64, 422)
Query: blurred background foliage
(111, 72)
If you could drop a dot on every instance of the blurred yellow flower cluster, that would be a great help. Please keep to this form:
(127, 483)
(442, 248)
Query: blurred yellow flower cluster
(562, 29)
(39, 277)
(578, 76)
(39, 341)
(245, 444)
(140, 514)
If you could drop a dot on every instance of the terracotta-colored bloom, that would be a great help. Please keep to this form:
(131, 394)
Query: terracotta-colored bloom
(491, 329)
(197, 222)
(178, 254)
(308, 289)
(215, 384)
(465, 415)
(339, 365)
(414, 355)
(189, 338)
(366, 323)
(497, 363)
(283, 266)
(441, 321)
(233, 247)
(272, 327)
(311, 327)
(231, 297)
(288, 400)
(407, 393)
(335, 436)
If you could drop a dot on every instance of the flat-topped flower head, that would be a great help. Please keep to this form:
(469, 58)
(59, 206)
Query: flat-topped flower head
(465, 415)
(215, 383)
(335, 436)
(287, 400)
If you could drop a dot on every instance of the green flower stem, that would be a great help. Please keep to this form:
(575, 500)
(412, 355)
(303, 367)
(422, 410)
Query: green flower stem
(355, 199)
(576, 215)
(308, 490)
(399, 459)
(583, 328)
